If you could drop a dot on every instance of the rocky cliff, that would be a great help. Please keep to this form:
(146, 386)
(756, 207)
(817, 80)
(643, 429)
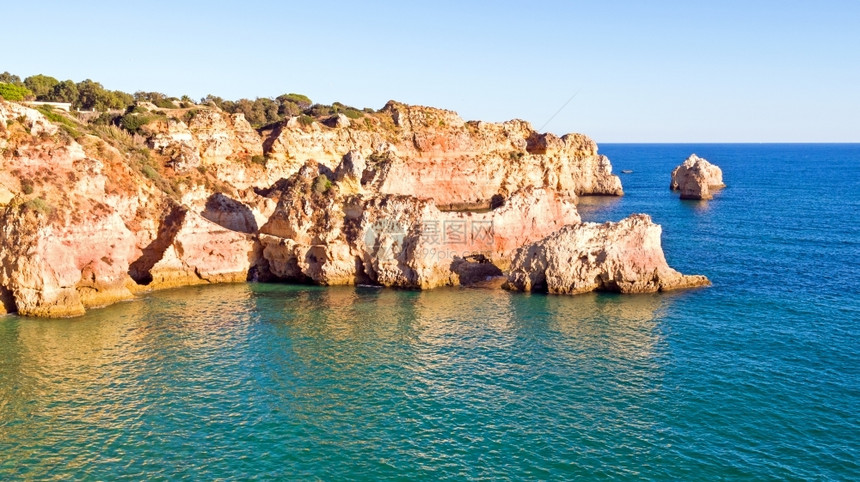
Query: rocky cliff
(696, 178)
(407, 196)
(625, 257)
(321, 235)
(88, 224)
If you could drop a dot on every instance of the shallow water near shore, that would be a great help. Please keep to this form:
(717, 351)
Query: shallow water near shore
(756, 377)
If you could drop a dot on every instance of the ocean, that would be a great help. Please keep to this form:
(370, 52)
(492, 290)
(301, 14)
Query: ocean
(754, 378)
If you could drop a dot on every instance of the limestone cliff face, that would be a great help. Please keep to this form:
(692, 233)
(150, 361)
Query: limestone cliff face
(410, 197)
(501, 157)
(696, 178)
(191, 250)
(210, 136)
(211, 140)
(455, 163)
(396, 240)
(626, 257)
(83, 228)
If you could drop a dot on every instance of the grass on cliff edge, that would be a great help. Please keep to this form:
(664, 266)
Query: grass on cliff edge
(71, 127)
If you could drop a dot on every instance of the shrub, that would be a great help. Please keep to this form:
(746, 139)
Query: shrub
(322, 184)
(133, 122)
(352, 113)
(27, 187)
(189, 115)
(320, 110)
(164, 104)
(135, 109)
(114, 136)
(38, 205)
(105, 119)
(14, 92)
(68, 125)
(306, 120)
(149, 172)
(259, 160)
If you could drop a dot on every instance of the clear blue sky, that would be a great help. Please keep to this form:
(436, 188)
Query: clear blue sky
(642, 71)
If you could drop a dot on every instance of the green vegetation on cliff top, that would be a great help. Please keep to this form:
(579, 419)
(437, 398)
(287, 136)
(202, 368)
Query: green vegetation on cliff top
(91, 95)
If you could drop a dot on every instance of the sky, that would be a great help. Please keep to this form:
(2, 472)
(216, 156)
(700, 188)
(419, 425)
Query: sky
(618, 71)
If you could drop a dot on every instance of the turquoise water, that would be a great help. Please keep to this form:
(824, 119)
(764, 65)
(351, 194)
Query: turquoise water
(757, 377)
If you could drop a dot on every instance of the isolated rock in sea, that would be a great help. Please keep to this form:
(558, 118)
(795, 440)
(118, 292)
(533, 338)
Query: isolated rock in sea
(625, 257)
(696, 178)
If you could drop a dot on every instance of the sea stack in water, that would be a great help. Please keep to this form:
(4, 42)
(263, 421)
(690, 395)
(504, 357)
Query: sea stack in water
(696, 178)
(625, 257)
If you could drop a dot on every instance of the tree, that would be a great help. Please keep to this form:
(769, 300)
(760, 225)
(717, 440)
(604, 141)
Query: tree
(121, 99)
(154, 97)
(288, 109)
(302, 101)
(268, 108)
(218, 101)
(91, 95)
(10, 79)
(65, 91)
(252, 112)
(41, 85)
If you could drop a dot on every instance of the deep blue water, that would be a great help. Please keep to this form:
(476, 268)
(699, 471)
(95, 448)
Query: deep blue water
(757, 377)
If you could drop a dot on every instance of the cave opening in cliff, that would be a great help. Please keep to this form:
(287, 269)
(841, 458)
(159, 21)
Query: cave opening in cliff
(141, 269)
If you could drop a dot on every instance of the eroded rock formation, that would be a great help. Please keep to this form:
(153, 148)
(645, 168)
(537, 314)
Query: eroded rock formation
(696, 178)
(408, 196)
(625, 257)
(395, 240)
(84, 228)
(458, 164)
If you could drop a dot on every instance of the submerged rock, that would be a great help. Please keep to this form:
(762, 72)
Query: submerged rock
(625, 257)
(696, 178)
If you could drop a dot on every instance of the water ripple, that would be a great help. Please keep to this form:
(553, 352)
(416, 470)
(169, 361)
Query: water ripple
(755, 378)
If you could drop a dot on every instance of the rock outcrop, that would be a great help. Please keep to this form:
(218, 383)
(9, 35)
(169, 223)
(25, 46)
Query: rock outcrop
(696, 178)
(396, 240)
(407, 196)
(625, 257)
(84, 228)
(457, 164)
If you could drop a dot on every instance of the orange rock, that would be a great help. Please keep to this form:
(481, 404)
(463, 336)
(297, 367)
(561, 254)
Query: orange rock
(626, 257)
(696, 178)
